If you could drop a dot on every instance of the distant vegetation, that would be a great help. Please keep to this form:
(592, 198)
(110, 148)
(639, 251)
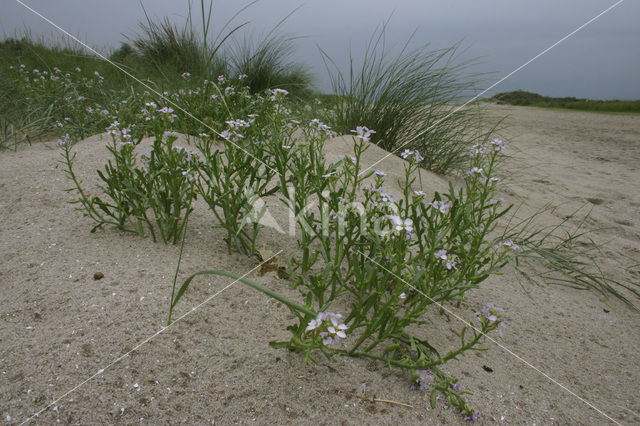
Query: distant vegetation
(520, 97)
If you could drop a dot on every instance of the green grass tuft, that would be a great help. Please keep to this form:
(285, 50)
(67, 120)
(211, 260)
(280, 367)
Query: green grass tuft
(409, 99)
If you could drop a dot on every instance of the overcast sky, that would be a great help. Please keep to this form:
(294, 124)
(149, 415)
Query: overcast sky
(602, 61)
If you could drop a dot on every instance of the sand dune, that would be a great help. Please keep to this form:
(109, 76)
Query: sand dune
(60, 326)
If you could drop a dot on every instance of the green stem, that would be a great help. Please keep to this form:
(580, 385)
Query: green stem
(270, 293)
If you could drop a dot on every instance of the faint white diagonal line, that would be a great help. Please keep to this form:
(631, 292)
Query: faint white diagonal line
(148, 87)
(493, 85)
(500, 345)
(148, 339)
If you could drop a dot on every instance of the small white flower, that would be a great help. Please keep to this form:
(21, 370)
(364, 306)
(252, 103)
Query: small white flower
(402, 224)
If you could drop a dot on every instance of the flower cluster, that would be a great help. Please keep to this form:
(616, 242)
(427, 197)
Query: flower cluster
(319, 127)
(123, 135)
(414, 155)
(275, 92)
(167, 113)
(448, 260)
(507, 245)
(476, 173)
(64, 140)
(491, 313)
(420, 379)
(440, 206)
(328, 327)
(473, 415)
(498, 145)
(363, 133)
(379, 197)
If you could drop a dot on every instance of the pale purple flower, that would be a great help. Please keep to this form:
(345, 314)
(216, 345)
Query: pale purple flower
(329, 174)
(236, 124)
(477, 150)
(186, 75)
(379, 173)
(448, 260)
(332, 331)
(386, 197)
(476, 172)
(420, 379)
(406, 153)
(441, 254)
(490, 312)
(313, 324)
(450, 263)
(64, 140)
(473, 417)
(457, 386)
(403, 296)
(417, 157)
(498, 145)
(363, 133)
(275, 92)
(339, 218)
(166, 110)
(402, 224)
(419, 193)
(320, 128)
(187, 174)
(441, 206)
(507, 245)
(146, 158)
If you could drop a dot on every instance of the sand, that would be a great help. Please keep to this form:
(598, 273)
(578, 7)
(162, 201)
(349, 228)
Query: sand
(60, 326)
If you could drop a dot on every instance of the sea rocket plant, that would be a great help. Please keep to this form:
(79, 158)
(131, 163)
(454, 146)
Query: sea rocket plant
(390, 258)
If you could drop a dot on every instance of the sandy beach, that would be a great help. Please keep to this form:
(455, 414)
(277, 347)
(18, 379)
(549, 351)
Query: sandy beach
(565, 357)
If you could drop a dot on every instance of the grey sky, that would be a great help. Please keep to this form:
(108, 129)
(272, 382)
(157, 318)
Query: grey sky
(602, 61)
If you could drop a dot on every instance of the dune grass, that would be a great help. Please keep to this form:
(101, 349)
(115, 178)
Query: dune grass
(409, 99)
(566, 256)
(266, 65)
